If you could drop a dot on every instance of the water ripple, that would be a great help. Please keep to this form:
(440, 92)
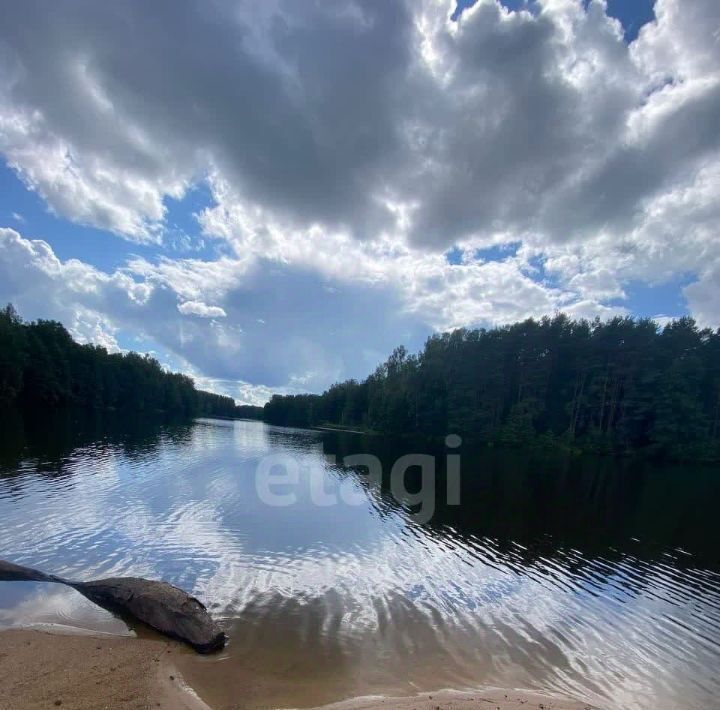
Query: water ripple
(364, 591)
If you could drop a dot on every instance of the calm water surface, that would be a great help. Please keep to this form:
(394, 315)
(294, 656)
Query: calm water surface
(594, 578)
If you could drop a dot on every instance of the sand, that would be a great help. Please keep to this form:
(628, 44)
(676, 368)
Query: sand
(488, 699)
(83, 672)
(86, 672)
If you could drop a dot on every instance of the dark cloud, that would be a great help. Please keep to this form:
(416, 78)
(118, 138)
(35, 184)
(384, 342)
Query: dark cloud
(294, 103)
(331, 113)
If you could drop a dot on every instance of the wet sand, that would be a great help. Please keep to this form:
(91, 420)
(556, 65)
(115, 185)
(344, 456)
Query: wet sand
(488, 699)
(88, 672)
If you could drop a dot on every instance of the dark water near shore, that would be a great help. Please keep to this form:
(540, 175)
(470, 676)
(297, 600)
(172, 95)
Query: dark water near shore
(591, 577)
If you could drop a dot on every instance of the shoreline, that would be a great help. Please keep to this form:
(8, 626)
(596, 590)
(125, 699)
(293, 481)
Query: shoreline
(44, 669)
(446, 699)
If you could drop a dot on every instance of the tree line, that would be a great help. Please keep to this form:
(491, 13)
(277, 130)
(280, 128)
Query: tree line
(41, 366)
(617, 386)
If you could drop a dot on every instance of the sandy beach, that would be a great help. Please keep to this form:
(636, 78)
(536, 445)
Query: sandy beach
(488, 699)
(86, 672)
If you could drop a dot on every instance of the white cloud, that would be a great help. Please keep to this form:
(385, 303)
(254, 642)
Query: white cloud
(198, 308)
(306, 336)
(89, 326)
(704, 295)
(383, 118)
(346, 147)
(285, 327)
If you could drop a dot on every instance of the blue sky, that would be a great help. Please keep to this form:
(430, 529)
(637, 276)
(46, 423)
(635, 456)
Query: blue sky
(633, 14)
(274, 210)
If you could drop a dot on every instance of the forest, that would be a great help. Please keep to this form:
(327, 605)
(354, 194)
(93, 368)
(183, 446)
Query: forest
(41, 366)
(618, 386)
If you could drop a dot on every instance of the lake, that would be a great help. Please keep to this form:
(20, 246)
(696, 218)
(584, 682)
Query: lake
(595, 578)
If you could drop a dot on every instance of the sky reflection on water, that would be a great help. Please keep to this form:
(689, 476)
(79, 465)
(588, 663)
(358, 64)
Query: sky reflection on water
(591, 577)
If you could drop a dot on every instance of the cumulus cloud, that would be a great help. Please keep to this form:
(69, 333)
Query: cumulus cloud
(198, 308)
(373, 117)
(346, 147)
(283, 328)
(703, 296)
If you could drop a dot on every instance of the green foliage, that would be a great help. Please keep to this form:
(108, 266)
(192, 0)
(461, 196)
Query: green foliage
(41, 366)
(12, 354)
(249, 411)
(618, 386)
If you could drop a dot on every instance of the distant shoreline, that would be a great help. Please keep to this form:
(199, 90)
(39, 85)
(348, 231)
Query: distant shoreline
(344, 430)
(616, 387)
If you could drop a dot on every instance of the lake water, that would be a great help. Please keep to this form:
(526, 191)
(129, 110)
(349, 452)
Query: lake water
(594, 578)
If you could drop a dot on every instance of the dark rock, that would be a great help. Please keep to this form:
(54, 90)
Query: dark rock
(158, 604)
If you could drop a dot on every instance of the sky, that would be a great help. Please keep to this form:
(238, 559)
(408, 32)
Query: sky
(271, 196)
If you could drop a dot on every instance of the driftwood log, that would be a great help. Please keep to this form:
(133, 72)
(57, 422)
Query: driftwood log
(165, 608)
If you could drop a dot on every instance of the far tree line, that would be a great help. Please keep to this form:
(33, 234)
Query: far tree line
(42, 367)
(617, 386)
